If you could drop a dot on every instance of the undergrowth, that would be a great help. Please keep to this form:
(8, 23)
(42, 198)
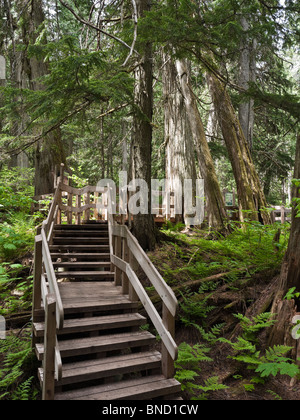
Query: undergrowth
(195, 256)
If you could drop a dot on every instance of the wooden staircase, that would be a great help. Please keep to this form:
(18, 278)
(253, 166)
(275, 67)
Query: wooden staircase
(99, 349)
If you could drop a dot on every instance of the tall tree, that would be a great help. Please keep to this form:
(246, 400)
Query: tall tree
(250, 194)
(247, 74)
(49, 151)
(284, 309)
(141, 147)
(179, 145)
(215, 203)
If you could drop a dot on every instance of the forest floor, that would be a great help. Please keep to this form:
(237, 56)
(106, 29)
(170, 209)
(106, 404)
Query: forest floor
(215, 279)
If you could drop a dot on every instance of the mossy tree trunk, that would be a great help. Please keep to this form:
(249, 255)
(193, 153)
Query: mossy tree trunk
(179, 146)
(250, 193)
(141, 146)
(216, 210)
(284, 309)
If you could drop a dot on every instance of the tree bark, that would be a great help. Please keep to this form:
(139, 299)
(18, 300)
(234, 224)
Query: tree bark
(250, 193)
(290, 273)
(141, 147)
(217, 215)
(179, 146)
(49, 151)
(247, 67)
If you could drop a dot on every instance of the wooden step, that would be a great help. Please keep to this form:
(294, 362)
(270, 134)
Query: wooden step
(144, 388)
(96, 248)
(105, 343)
(85, 297)
(83, 264)
(98, 275)
(86, 226)
(91, 370)
(81, 255)
(97, 323)
(94, 305)
(81, 233)
(79, 241)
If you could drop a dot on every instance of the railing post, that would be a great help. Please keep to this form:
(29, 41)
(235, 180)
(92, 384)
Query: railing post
(70, 204)
(168, 319)
(78, 214)
(134, 265)
(125, 257)
(282, 214)
(59, 202)
(37, 275)
(118, 253)
(88, 210)
(49, 349)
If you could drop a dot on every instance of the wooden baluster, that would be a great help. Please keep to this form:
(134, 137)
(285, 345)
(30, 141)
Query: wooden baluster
(87, 202)
(96, 211)
(78, 204)
(37, 275)
(134, 265)
(118, 253)
(168, 368)
(49, 346)
(70, 204)
(282, 214)
(59, 203)
(125, 257)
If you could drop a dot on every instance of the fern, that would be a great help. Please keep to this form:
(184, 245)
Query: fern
(188, 369)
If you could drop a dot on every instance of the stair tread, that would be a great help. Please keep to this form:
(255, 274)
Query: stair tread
(82, 264)
(90, 345)
(142, 388)
(80, 254)
(94, 323)
(87, 370)
(105, 274)
(86, 226)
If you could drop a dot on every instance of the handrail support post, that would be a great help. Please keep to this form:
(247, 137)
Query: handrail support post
(49, 346)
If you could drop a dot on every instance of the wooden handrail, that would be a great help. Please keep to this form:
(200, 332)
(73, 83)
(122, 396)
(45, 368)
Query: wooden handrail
(164, 334)
(165, 292)
(165, 326)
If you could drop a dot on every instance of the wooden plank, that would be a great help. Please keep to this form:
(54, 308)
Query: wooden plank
(149, 307)
(49, 344)
(95, 323)
(37, 273)
(92, 345)
(88, 255)
(164, 334)
(116, 365)
(142, 388)
(51, 277)
(94, 274)
(164, 291)
(85, 264)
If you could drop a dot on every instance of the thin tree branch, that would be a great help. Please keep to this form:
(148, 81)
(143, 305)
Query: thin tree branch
(35, 139)
(91, 25)
(135, 19)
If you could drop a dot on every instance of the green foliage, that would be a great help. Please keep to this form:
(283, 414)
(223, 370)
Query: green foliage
(273, 362)
(16, 190)
(194, 307)
(188, 369)
(252, 327)
(292, 294)
(245, 248)
(17, 361)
